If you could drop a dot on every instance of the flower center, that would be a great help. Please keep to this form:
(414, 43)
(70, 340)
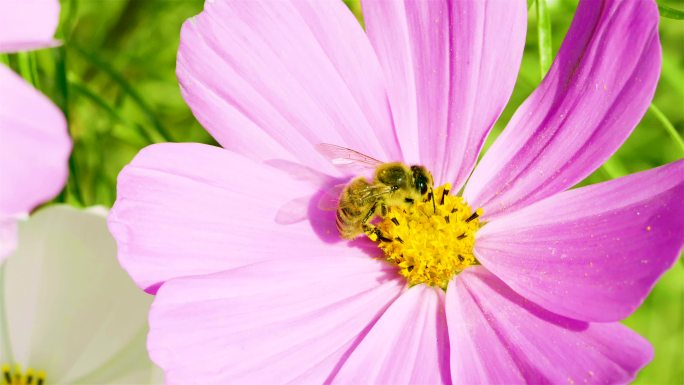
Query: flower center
(430, 241)
(18, 377)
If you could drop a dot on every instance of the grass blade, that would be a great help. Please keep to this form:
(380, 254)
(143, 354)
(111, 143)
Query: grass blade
(127, 88)
(669, 127)
(670, 13)
(113, 113)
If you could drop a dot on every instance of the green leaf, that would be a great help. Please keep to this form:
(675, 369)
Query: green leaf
(670, 13)
(544, 36)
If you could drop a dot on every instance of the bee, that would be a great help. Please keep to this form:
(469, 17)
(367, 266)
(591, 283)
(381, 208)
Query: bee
(360, 201)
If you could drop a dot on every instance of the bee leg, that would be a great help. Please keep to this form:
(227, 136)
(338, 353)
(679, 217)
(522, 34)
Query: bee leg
(374, 233)
(370, 213)
(432, 195)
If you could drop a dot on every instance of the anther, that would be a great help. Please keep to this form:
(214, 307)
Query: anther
(40, 378)
(473, 216)
(428, 247)
(7, 373)
(444, 193)
(29, 376)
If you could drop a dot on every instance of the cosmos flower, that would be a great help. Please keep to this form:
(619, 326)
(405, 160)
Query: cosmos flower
(515, 280)
(34, 143)
(68, 313)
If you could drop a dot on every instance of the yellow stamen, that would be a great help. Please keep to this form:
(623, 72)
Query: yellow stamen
(430, 241)
(18, 377)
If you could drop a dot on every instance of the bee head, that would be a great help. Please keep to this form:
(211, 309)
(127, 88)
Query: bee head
(422, 179)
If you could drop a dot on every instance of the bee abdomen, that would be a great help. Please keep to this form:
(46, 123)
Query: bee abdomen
(349, 222)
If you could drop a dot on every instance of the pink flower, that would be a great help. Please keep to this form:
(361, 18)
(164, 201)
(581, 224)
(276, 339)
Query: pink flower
(244, 298)
(34, 143)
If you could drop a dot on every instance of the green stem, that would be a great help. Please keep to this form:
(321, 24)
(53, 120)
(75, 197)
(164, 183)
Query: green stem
(669, 127)
(544, 36)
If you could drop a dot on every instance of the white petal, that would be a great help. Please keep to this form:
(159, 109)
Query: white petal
(70, 309)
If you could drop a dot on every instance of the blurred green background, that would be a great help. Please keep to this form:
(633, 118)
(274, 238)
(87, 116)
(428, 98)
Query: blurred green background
(114, 77)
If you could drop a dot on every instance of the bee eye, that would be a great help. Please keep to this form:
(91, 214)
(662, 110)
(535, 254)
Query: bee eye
(423, 187)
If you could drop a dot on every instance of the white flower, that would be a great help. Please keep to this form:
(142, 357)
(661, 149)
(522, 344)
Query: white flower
(67, 310)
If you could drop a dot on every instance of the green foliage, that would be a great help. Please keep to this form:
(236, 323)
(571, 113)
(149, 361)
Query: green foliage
(670, 12)
(114, 77)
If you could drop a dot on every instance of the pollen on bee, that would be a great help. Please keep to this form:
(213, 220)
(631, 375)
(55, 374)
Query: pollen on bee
(430, 243)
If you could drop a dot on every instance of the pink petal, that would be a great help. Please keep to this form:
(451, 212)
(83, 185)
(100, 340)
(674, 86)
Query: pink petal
(272, 80)
(592, 253)
(192, 209)
(498, 337)
(408, 345)
(34, 147)
(594, 95)
(450, 69)
(284, 321)
(27, 24)
(8, 236)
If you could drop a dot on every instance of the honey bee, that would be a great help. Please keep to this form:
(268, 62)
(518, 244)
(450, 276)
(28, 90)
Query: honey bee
(360, 201)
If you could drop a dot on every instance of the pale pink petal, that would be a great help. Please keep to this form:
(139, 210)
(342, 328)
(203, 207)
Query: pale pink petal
(592, 253)
(450, 69)
(8, 236)
(282, 321)
(273, 79)
(408, 345)
(34, 148)
(596, 92)
(498, 337)
(192, 209)
(27, 24)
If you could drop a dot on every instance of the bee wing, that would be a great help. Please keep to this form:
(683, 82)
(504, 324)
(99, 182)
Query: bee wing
(373, 192)
(299, 172)
(345, 158)
(331, 198)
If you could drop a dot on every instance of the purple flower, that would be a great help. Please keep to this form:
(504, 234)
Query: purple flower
(34, 143)
(254, 284)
